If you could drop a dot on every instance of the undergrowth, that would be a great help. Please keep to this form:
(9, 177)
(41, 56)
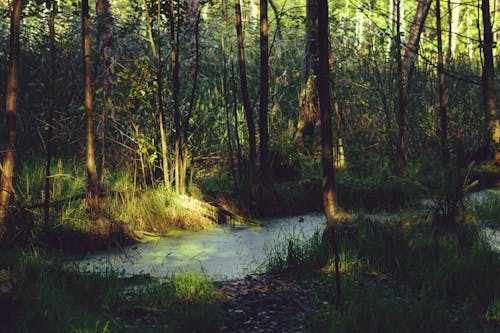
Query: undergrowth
(128, 209)
(401, 277)
(46, 298)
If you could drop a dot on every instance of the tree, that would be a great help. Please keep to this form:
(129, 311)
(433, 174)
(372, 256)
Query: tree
(488, 81)
(327, 166)
(92, 185)
(175, 63)
(265, 167)
(409, 57)
(52, 106)
(249, 115)
(309, 124)
(11, 116)
(105, 40)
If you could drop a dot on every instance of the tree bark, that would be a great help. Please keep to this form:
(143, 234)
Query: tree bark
(309, 124)
(6, 189)
(410, 52)
(488, 82)
(92, 185)
(105, 40)
(265, 167)
(52, 106)
(249, 114)
(328, 171)
(443, 96)
(174, 54)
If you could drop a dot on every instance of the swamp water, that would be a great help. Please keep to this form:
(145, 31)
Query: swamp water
(230, 252)
(221, 252)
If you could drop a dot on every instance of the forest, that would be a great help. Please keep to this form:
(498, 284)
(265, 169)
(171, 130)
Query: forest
(249, 166)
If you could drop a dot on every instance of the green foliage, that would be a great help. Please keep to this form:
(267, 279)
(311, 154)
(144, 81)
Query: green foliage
(376, 192)
(295, 253)
(46, 298)
(375, 309)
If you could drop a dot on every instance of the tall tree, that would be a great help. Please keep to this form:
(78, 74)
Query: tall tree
(309, 124)
(488, 81)
(328, 171)
(92, 184)
(410, 52)
(175, 63)
(6, 188)
(265, 167)
(249, 114)
(443, 96)
(52, 106)
(105, 40)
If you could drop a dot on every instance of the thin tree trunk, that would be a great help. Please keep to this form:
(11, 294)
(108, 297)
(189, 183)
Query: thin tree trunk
(161, 109)
(174, 40)
(408, 64)
(488, 82)
(52, 106)
(92, 185)
(265, 167)
(226, 100)
(308, 127)
(328, 180)
(400, 88)
(244, 94)
(6, 189)
(443, 96)
(277, 15)
(105, 40)
(236, 122)
(450, 31)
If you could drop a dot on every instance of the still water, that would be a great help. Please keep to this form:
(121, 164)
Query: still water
(222, 252)
(228, 252)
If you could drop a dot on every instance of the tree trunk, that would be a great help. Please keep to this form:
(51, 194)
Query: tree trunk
(309, 124)
(52, 106)
(443, 96)
(400, 88)
(92, 185)
(408, 63)
(105, 40)
(244, 94)
(328, 180)
(159, 97)
(265, 167)
(488, 83)
(277, 16)
(11, 116)
(174, 54)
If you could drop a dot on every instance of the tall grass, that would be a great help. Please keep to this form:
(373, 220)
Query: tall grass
(46, 298)
(295, 253)
(402, 277)
(126, 206)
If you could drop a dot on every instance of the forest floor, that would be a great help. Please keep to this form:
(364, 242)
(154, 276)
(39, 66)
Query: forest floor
(285, 303)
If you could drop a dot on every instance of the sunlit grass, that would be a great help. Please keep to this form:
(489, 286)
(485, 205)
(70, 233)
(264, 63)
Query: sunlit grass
(126, 206)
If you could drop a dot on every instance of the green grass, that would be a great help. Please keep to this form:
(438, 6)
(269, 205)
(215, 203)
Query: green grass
(402, 277)
(295, 253)
(46, 298)
(127, 208)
